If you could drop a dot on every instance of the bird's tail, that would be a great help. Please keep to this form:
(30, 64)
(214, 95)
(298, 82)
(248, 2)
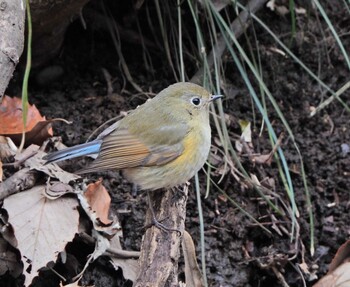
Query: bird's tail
(89, 148)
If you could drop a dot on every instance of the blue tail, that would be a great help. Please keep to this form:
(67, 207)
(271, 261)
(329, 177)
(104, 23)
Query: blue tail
(89, 148)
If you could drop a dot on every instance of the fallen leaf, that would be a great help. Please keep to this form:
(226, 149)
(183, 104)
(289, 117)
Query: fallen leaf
(193, 275)
(42, 227)
(246, 131)
(7, 148)
(96, 202)
(255, 179)
(57, 189)
(129, 266)
(33, 158)
(239, 146)
(342, 255)
(271, 4)
(339, 270)
(340, 277)
(37, 127)
(99, 200)
(300, 10)
(263, 158)
(282, 10)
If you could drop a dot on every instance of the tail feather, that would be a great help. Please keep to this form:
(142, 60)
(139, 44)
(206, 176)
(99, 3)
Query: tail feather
(89, 148)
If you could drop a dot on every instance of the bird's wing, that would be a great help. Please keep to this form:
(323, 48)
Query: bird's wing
(89, 148)
(121, 149)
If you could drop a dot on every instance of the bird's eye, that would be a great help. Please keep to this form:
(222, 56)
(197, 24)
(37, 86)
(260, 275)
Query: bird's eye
(196, 101)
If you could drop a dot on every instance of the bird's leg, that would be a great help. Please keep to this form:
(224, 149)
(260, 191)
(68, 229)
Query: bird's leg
(155, 222)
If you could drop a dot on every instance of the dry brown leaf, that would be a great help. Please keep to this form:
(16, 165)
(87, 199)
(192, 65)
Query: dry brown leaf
(96, 201)
(42, 227)
(263, 159)
(339, 269)
(340, 277)
(342, 255)
(192, 273)
(99, 200)
(11, 123)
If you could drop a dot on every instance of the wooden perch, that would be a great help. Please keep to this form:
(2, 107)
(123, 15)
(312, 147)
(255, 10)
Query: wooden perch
(160, 249)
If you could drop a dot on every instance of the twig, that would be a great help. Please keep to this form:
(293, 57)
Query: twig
(21, 180)
(113, 252)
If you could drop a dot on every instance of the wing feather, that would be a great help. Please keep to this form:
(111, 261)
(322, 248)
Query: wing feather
(121, 149)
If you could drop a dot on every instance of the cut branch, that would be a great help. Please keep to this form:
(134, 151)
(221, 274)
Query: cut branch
(160, 249)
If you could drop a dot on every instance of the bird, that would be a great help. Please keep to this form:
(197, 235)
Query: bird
(163, 143)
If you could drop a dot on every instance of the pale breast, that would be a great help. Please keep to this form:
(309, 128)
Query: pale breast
(196, 149)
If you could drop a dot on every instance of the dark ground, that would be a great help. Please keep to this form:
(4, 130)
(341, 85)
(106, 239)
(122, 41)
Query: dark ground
(238, 252)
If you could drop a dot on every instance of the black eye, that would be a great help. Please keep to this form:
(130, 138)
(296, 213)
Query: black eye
(196, 101)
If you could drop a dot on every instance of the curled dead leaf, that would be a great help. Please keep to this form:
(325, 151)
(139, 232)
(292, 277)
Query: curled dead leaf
(7, 148)
(11, 123)
(96, 203)
(99, 200)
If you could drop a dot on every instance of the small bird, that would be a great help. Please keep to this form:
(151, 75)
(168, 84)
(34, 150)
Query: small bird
(160, 144)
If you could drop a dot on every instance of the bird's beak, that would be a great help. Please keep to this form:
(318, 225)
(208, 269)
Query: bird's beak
(215, 97)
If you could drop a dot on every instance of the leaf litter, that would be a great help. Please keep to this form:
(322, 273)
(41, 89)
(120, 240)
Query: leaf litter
(44, 220)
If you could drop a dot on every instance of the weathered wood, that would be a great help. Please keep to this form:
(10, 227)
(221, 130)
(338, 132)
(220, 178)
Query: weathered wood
(20, 181)
(50, 20)
(160, 249)
(12, 15)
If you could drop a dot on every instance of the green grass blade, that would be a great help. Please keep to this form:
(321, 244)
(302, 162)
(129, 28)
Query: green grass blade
(335, 35)
(26, 75)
